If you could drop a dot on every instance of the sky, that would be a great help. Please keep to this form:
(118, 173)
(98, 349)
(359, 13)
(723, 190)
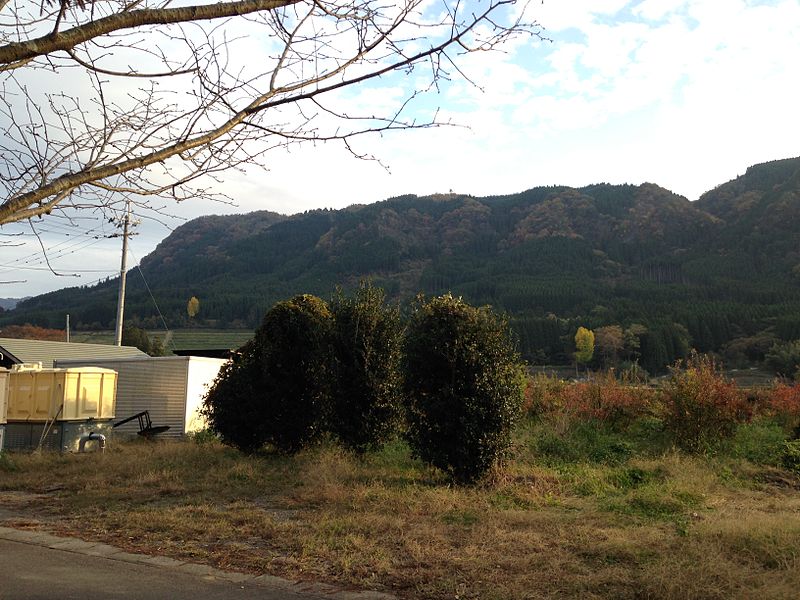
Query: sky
(682, 93)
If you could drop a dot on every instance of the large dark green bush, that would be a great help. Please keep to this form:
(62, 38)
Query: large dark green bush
(278, 392)
(234, 404)
(464, 386)
(367, 351)
(293, 357)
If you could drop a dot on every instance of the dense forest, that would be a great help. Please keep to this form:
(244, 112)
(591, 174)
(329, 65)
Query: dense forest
(652, 273)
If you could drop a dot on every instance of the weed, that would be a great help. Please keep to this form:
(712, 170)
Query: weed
(590, 441)
(510, 500)
(654, 503)
(760, 442)
(6, 463)
(204, 436)
(790, 456)
(633, 477)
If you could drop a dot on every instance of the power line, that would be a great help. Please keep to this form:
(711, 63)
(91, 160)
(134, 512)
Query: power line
(149, 291)
(37, 255)
(48, 269)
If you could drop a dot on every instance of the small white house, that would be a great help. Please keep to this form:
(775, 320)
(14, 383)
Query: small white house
(170, 388)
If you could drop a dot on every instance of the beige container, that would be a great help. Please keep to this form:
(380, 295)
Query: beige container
(74, 394)
(3, 395)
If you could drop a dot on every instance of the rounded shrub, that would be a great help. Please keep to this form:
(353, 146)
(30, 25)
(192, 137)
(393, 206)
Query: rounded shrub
(464, 386)
(293, 358)
(232, 407)
(366, 400)
(277, 392)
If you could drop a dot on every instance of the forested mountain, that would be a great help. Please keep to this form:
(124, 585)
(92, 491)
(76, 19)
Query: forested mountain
(721, 273)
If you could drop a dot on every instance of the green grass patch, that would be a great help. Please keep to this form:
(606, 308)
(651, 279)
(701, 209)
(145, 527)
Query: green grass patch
(761, 442)
(654, 503)
(464, 518)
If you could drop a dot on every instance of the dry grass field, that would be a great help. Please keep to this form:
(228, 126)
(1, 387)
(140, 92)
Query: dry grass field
(581, 514)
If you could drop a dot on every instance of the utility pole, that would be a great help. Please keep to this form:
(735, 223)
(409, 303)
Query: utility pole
(68, 327)
(123, 268)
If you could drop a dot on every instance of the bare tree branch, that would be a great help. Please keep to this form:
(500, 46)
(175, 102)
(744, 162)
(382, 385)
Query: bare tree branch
(143, 100)
(65, 40)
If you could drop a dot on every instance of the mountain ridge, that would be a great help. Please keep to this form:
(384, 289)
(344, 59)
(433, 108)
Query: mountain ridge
(724, 267)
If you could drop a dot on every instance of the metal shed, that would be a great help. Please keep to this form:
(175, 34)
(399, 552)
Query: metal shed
(171, 388)
(14, 352)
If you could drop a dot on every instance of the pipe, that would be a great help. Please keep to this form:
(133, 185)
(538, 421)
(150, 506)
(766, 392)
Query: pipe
(91, 437)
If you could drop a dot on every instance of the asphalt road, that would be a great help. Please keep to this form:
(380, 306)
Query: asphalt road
(31, 572)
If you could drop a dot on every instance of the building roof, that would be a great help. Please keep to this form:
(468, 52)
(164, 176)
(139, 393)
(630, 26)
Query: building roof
(15, 351)
(206, 352)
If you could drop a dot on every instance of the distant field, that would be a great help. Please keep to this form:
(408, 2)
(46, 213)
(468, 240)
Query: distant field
(749, 377)
(181, 339)
(753, 377)
(186, 339)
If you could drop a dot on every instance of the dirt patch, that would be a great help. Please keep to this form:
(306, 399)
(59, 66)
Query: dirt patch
(22, 510)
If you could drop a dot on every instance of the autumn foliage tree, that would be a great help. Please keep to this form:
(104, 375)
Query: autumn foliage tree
(193, 307)
(584, 346)
(609, 342)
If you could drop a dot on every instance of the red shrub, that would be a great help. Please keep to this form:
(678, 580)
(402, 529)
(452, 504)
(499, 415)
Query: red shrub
(543, 394)
(603, 398)
(701, 407)
(783, 403)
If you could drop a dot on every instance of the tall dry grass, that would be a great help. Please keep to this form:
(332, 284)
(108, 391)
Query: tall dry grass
(664, 525)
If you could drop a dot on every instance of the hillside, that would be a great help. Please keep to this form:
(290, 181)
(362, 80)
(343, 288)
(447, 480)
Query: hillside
(704, 273)
(9, 303)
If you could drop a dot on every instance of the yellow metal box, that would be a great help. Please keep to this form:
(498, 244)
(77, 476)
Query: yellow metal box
(75, 394)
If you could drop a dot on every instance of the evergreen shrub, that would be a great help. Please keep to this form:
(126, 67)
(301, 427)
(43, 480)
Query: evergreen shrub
(464, 386)
(366, 400)
(277, 392)
(233, 404)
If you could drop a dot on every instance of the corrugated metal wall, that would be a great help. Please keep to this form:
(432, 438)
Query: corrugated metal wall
(157, 385)
(48, 353)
